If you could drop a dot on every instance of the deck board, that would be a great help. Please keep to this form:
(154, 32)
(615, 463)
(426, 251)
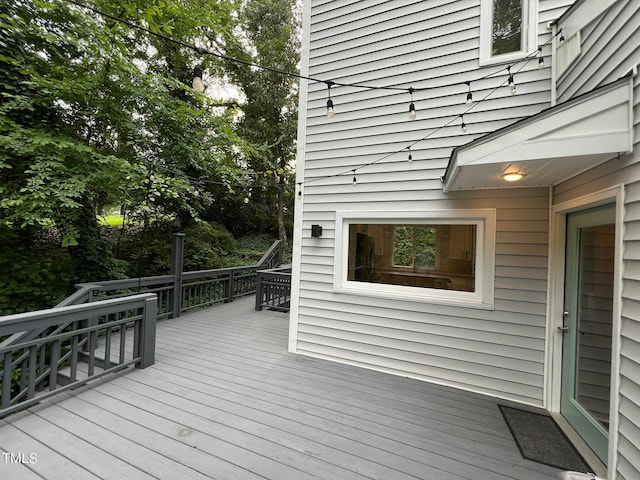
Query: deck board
(225, 400)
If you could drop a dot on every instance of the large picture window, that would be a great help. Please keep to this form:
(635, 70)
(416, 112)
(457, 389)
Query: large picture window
(438, 256)
(448, 258)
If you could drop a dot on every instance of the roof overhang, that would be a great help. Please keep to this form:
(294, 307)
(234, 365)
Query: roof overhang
(550, 147)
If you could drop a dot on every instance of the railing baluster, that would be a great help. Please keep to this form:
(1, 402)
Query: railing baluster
(7, 370)
(33, 370)
(73, 363)
(41, 362)
(55, 358)
(24, 369)
(107, 347)
(92, 353)
(123, 341)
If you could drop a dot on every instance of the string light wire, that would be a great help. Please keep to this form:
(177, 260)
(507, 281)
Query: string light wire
(452, 120)
(331, 83)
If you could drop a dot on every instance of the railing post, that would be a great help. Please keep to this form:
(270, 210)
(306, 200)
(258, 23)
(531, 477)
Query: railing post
(177, 265)
(259, 291)
(147, 339)
(91, 342)
(230, 286)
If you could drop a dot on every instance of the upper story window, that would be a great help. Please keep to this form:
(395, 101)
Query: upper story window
(507, 29)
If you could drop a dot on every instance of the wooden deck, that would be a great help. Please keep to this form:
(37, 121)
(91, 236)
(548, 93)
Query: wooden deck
(226, 401)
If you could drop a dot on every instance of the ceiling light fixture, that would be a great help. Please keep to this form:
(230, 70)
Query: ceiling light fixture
(513, 176)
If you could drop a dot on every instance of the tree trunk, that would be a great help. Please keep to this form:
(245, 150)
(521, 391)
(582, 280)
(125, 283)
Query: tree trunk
(282, 231)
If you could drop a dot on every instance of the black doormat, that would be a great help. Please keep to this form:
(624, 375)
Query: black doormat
(540, 439)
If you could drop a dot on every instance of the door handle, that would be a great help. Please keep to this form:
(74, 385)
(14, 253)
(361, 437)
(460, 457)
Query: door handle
(563, 329)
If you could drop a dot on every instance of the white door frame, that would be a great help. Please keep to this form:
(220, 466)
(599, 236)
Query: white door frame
(555, 305)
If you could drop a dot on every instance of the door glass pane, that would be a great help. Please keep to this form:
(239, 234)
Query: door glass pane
(595, 315)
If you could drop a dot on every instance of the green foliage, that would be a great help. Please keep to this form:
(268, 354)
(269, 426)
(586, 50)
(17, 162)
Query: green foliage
(414, 246)
(32, 277)
(403, 246)
(147, 251)
(208, 245)
(94, 113)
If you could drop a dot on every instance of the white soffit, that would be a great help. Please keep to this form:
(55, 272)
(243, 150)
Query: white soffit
(550, 147)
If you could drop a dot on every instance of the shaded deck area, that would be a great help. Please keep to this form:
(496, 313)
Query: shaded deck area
(225, 400)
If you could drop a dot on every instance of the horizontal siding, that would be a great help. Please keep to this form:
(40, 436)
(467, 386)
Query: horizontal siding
(432, 46)
(610, 48)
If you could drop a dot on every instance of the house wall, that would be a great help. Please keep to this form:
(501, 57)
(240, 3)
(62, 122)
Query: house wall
(610, 49)
(424, 44)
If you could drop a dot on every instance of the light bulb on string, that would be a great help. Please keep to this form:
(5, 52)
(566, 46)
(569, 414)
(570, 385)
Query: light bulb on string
(412, 107)
(300, 190)
(410, 157)
(561, 37)
(511, 82)
(540, 59)
(330, 111)
(469, 94)
(354, 182)
(463, 125)
(197, 83)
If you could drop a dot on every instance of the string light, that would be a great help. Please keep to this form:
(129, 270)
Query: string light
(330, 112)
(463, 125)
(412, 107)
(540, 59)
(354, 182)
(197, 83)
(561, 37)
(511, 82)
(299, 189)
(469, 94)
(410, 158)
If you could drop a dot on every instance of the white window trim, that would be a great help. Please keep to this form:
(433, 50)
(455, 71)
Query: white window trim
(529, 33)
(484, 219)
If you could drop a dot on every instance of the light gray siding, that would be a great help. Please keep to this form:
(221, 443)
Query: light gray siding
(433, 45)
(610, 49)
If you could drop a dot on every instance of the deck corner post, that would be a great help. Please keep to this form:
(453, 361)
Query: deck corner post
(147, 339)
(259, 290)
(177, 265)
(230, 286)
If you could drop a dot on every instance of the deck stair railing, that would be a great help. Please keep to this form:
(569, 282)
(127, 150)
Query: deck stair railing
(40, 351)
(274, 289)
(76, 344)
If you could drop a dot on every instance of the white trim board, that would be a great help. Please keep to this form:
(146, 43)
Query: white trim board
(549, 147)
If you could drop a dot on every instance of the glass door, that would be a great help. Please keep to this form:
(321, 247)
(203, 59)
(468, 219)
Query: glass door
(588, 320)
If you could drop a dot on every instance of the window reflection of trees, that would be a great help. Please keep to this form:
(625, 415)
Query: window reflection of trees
(507, 26)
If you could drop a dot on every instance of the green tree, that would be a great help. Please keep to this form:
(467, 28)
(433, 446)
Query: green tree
(267, 34)
(95, 113)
